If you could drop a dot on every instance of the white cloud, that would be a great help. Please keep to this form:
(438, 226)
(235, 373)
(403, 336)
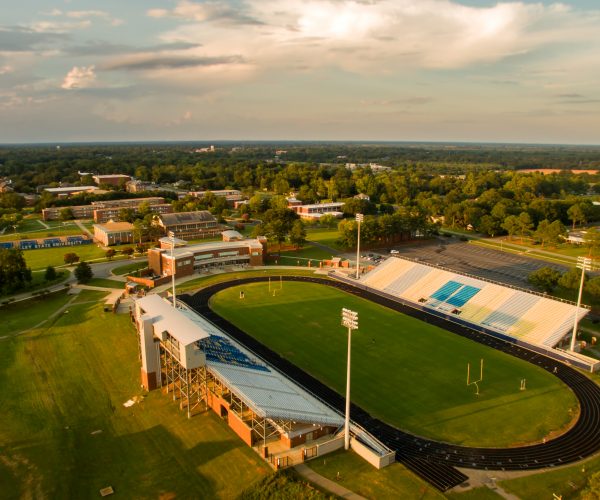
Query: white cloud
(80, 77)
(382, 36)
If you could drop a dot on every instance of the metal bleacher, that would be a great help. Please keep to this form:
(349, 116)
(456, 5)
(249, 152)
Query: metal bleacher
(503, 310)
(53, 242)
(7, 244)
(28, 244)
(221, 350)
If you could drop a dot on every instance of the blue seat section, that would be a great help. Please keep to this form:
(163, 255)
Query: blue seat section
(53, 242)
(7, 244)
(408, 279)
(511, 311)
(445, 291)
(220, 350)
(77, 240)
(28, 244)
(461, 297)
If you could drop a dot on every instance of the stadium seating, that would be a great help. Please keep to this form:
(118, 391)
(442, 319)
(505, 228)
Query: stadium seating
(516, 313)
(221, 350)
(53, 242)
(7, 244)
(28, 244)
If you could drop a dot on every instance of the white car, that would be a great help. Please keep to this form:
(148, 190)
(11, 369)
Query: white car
(394, 251)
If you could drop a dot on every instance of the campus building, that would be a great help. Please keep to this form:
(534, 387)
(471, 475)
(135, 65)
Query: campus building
(190, 225)
(113, 233)
(317, 210)
(231, 195)
(111, 179)
(102, 211)
(187, 259)
(65, 192)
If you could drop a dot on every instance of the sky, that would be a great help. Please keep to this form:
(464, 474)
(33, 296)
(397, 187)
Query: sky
(380, 70)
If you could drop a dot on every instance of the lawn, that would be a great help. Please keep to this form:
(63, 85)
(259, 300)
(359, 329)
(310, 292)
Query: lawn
(324, 236)
(65, 432)
(129, 268)
(38, 281)
(362, 478)
(28, 313)
(43, 257)
(205, 281)
(406, 372)
(106, 283)
(41, 232)
(308, 252)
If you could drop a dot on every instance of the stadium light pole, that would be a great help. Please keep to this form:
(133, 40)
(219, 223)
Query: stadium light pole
(359, 219)
(350, 321)
(174, 266)
(585, 264)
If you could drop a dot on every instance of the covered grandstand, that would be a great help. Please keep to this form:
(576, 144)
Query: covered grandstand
(503, 311)
(189, 357)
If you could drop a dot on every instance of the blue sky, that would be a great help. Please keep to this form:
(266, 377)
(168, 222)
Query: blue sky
(439, 70)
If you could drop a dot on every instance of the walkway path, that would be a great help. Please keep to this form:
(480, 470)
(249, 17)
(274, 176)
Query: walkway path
(337, 489)
(84, 229)
(334, 251)
(43, 223)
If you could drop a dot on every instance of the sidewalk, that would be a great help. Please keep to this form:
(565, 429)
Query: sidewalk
(307, 473)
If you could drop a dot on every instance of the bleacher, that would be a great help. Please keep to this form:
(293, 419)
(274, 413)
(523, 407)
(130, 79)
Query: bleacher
(221, 350)
(28, 244)
(511, 312)
(7, 244)
(53, 242)
(77, 240)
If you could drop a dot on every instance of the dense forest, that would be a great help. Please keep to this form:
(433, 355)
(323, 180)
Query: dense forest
(478, 187)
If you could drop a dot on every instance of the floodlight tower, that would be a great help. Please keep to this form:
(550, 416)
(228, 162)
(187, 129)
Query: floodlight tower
(350, 321)
(173, 266)
(585, 264)
(359, 219)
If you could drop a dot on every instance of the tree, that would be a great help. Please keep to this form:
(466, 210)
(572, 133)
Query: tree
(110, 253)
(592, 241)
(14, 273)
(578, 213)
(128, 251)
(511, 225)
(83, 272)
(71, 258)
(66, 214)
(298, 234)
(571, 279)
(525, 224)
(545, 278)
(328, 220)
(50, 274)
(549, 232)
(127, 214)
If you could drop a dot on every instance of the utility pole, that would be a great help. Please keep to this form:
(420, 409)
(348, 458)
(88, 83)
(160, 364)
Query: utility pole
(350, 321)
(359, 219)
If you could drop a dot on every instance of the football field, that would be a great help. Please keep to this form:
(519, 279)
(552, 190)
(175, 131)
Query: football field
(404, 371)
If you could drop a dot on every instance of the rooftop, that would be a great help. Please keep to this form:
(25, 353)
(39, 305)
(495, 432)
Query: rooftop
(187, 217)
(115, 226)
(71, 189)
(212, 246)
(182, 325)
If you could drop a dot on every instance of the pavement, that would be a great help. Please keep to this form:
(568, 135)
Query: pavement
(327, 484)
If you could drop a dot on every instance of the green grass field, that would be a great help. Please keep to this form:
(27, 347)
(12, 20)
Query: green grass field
(65, 433)
(406, 372)
(325, 236)
(106, 283)
(43, 257)
(129, 268)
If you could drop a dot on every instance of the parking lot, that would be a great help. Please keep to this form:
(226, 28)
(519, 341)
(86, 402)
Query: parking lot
(487, 263)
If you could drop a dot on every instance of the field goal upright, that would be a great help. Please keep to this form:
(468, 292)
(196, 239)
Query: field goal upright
(475, 382)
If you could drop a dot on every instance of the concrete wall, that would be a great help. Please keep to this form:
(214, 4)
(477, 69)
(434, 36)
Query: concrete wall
(329, 446)
(370, 456)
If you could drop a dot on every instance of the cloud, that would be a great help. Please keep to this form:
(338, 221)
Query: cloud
(79, 77)
(150, 62)
(382, 36)
(104, 48)
(20, 39)
(85, 15)
(206, 12)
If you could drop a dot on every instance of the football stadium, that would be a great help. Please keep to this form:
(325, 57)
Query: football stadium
(449, 371)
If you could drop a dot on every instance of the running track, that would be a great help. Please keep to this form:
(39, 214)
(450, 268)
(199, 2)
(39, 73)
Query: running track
(435, 461)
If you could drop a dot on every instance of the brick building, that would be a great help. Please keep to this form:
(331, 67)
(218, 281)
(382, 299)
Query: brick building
(113, 233)
(190, 225)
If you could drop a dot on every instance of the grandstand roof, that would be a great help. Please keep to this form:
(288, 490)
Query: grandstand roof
(180, 324)
(271, 395)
